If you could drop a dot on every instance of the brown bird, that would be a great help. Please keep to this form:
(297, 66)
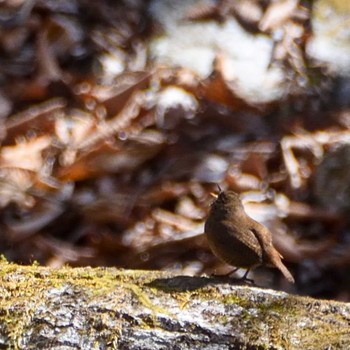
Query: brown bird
(237, 239)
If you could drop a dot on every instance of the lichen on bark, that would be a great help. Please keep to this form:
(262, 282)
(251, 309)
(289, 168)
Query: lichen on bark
(107, 308)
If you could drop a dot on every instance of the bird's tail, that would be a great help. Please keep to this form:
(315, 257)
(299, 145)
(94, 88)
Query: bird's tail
(277, 262)
(285, 272)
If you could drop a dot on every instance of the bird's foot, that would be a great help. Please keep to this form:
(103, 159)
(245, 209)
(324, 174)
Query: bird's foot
(247, 280)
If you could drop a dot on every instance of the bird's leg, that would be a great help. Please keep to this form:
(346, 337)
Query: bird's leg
(245, 278)
(227, 274)
(232, 271)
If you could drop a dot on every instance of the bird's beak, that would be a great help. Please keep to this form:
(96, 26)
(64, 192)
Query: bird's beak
(214, 195)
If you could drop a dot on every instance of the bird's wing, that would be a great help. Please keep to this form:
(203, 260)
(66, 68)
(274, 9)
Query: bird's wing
(270, 254)
(264, 236)
(246, 236)
(261, 232)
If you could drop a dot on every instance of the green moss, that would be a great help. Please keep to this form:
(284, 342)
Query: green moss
(144, 298)
(24, 289)
(258, 314)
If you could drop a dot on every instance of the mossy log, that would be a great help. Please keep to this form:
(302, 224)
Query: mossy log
(107, 308)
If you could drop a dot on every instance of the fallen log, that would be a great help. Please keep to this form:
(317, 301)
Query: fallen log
(107, 308)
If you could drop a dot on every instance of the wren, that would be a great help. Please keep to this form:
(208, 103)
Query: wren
(237, 239)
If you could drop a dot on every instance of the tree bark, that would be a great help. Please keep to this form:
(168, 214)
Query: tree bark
(106, 308)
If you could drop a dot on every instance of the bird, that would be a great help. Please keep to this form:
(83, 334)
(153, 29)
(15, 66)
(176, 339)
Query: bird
(237, 239)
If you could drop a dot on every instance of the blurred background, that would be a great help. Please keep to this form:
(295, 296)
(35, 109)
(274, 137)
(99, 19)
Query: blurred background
(119, 118)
